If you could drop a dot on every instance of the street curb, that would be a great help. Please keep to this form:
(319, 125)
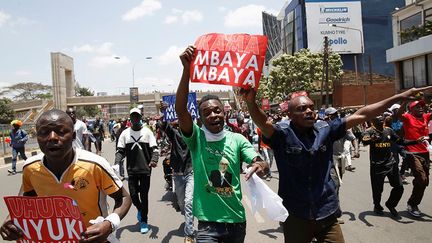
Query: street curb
(8, 159)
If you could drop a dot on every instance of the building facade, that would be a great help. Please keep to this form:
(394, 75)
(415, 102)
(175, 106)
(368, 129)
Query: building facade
(411, 53)
(371, 33)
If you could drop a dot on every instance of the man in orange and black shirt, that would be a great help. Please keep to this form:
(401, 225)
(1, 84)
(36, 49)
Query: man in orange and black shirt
(81, 175)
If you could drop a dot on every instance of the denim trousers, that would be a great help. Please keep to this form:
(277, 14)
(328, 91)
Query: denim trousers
(213, 232)
(184, 186)
(15, 152)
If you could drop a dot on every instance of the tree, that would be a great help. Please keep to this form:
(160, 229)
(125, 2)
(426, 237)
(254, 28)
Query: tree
(89, 110)
(6, 111)
(28, 91)
(301, 71)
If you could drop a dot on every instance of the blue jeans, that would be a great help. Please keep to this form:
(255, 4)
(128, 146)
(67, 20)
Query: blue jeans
(213, 232)
(15, 152)
(184, 186)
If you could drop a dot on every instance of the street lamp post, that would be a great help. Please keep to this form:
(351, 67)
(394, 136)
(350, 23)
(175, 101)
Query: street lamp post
(133, 67)
(362, 59)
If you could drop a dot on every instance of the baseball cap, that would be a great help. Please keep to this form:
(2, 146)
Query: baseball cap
(394, 106)
(135, 110)
(330, 111)
(415, 103)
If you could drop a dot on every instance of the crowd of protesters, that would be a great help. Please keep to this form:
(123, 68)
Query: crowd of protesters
(311, 149)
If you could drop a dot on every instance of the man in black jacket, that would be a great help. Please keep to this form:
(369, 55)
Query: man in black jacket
(138, 145)
(181, 163)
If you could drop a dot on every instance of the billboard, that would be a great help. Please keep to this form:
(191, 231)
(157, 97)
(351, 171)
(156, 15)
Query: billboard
(344, 38)
(133, 93)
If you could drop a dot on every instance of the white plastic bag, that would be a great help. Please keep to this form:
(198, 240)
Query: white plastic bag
(263, 197)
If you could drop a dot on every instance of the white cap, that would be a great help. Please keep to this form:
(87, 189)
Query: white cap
(135, 110)
(394, 106)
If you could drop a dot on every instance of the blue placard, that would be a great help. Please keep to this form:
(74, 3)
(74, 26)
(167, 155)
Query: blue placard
(170, 113)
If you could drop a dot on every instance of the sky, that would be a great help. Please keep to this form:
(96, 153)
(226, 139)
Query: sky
(107, 39)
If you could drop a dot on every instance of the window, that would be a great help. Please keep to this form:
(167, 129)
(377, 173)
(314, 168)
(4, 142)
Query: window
(428, 15)
(408, 76)
(407, 24)
(419, 71)
(412, 21)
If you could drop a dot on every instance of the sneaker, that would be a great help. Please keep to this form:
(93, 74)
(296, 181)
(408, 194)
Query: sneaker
(139, 216)
(378, 209)
(350, 168)
(188, 239)
(414, 211)
(392, 210)
(268, 177)
(13, 172)
(144, 228)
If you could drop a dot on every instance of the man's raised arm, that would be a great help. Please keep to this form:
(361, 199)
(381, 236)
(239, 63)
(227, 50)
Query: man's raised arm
(370, 111)
(184, 118)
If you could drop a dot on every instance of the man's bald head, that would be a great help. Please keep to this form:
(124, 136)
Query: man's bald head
(294, 102)
(55, 116)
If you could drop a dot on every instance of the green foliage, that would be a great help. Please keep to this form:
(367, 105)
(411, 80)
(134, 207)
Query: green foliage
(302, 71)
(416, 32)
(6, 111)
(83, 91)
(28, 91)
(86, 111)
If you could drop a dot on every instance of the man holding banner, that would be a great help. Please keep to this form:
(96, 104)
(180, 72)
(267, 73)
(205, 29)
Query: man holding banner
(303, 152)
(61, 170)
(221, 215)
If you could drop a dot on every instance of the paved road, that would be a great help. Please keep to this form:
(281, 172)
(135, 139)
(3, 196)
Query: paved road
(361, 225)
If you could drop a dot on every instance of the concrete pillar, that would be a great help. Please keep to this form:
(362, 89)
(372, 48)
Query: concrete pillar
(63, 79)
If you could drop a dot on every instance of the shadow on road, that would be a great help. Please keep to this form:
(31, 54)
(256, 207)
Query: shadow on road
(423, 218)
(177, 232)
(269, 232)
(154, 231)
(168, 197)
(130, 228)
(351, 215)
(404, 214)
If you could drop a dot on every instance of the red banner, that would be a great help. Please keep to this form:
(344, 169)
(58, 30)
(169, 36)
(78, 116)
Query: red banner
(46, 219)
(235, 60)
(265, 104)
(284, 106)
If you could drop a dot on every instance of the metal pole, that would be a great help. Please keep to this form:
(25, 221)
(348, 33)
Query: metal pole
(3, 141)
(356, 69)
(327, 101)
(133, 75)
(370, 70)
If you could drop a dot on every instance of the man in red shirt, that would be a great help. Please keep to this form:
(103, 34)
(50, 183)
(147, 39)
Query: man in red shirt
(415, 125)
(241, 127)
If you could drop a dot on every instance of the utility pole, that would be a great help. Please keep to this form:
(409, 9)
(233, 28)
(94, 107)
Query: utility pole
(370, 70)
(326, 72)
